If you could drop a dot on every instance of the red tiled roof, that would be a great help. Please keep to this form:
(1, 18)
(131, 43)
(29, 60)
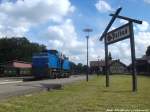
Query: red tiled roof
(21, 65)
(17, 64)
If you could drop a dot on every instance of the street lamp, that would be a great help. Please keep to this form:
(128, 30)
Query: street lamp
(88, 30)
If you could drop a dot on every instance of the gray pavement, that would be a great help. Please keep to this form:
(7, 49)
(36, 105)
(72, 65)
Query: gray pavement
(15, 86)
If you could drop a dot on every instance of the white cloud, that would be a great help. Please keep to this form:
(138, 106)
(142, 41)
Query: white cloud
(17, 18)
(122, 21)
(64, 38)
(142, 42)
(96, 48)
(144, 26)
(66, 33)
(147, 1)
(103, 6)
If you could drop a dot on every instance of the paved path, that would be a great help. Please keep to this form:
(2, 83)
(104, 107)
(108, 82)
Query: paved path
(14, 87)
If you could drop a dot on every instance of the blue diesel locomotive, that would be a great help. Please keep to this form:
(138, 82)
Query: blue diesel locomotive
(50, 64)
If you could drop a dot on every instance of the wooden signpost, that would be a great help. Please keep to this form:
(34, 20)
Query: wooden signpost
(123, 32)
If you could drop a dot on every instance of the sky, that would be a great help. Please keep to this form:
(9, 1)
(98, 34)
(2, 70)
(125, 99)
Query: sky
(59, 24)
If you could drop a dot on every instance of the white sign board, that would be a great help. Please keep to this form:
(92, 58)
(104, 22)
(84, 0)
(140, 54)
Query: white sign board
(118, 34)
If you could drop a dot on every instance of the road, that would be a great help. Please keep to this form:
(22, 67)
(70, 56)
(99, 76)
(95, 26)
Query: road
(15, 86)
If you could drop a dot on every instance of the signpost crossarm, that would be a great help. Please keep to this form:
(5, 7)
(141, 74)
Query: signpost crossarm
(127, 18)
(110, 23)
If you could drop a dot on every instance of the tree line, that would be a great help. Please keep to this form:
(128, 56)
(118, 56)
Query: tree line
(78, 68)
(18, 49)
(148, 51)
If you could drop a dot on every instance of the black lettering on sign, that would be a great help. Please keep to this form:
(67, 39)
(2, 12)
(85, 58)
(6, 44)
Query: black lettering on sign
(118, 33)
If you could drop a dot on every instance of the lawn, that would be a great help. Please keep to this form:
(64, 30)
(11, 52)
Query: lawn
(84, 96)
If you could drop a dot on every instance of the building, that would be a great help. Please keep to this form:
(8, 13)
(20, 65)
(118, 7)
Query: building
(116, 66)
(15, 68)
(142, 65)
(97, 66)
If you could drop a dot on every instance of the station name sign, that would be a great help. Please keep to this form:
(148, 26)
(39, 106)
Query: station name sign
(118, 34)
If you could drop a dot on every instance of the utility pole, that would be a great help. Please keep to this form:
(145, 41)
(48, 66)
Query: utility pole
(88, 30)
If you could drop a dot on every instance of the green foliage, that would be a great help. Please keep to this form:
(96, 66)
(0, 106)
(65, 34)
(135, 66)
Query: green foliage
(79, 68)
(109, 56)
(18, 49)
(84, 96)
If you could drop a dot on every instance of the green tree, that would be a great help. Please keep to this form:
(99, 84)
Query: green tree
(18, 49)
(109, 56)
(148, 51)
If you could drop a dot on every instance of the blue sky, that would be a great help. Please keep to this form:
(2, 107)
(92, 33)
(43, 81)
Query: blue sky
(137, 9)
(59, 25)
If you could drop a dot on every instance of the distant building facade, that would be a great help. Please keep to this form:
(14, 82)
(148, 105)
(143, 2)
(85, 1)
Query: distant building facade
(142, 65)
(15, 68)
(115, 67)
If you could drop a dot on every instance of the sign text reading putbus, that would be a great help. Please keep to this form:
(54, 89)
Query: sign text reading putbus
(118, 34)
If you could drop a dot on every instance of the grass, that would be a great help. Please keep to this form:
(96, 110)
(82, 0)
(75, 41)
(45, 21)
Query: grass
(86, 97)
